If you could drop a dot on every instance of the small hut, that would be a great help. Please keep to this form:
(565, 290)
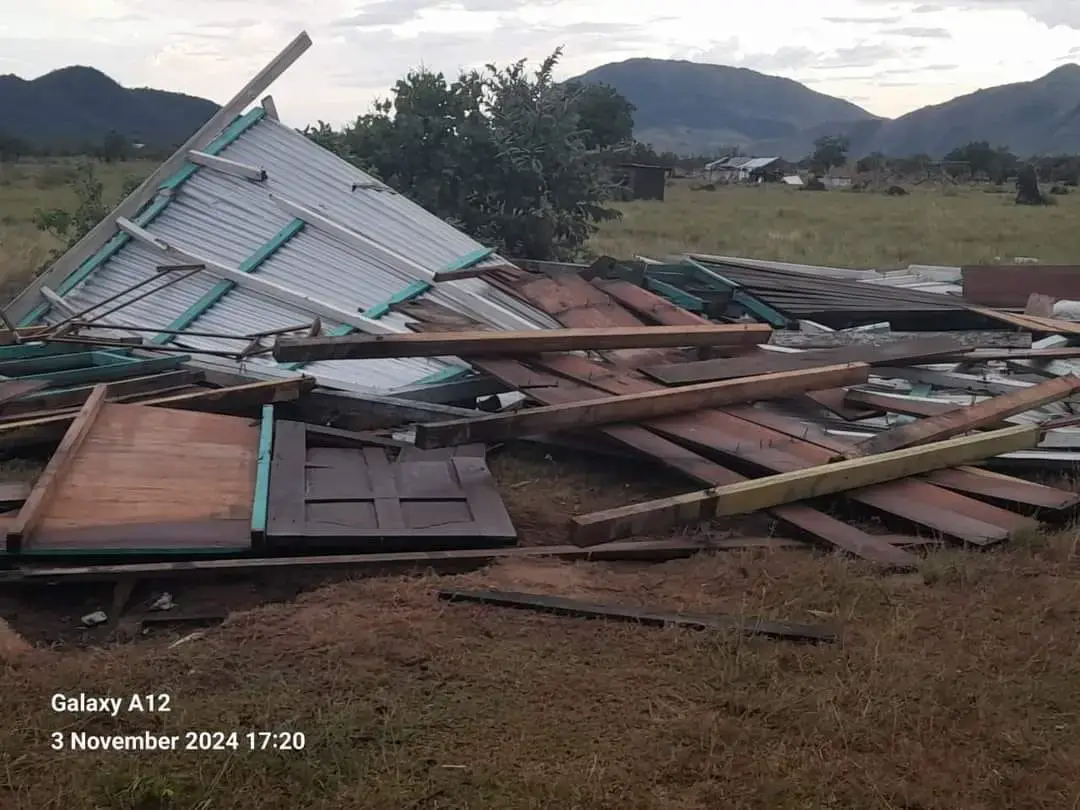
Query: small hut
(647, 181)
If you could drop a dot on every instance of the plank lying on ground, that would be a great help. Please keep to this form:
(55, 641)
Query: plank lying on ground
(494, 344)
(635, 407)
(766, 362)
(650, 617)
(34, 508)
(651, 550)
(968, 480)
(966, 418)
(775, 490)
(804, 519)
(235, 400)
(997, 339)
(743, 438)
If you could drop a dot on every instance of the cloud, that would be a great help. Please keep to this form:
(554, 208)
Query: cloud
(863, 20)
(385, 12)
(919, 32)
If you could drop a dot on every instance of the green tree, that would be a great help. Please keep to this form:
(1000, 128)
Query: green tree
(874, 162)
(605, 117)
(500, 153)
(829, 151)
(69, 226)
(995, 162)
(13, 148)
(114, 148)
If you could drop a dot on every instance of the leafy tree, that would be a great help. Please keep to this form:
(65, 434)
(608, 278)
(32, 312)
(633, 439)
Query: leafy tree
(500, 153)
(90, 208)
(115, 147)
(996, 163)
(604, 115)
(12, 148)
(874, 162)
(830, 151)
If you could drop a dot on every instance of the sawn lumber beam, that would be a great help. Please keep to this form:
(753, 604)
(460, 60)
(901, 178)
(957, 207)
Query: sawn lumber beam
(785, 488)
(635, 407)
(495, 344)
(965, 418)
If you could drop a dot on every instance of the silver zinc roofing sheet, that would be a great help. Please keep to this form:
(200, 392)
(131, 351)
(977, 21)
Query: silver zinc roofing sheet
(323, 259)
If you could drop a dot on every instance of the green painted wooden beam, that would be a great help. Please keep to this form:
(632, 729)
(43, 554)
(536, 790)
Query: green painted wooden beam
(109, 372)
(231, 133)
(62, 362)
(689, 302)
(224, 287)
(744, 298)
(260, 505)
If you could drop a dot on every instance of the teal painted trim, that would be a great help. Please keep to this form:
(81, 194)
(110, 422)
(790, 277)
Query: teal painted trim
(414, 290)
(62, 362)
(29, 351)
(237, 128)
(684, 299)
(261, 503)
(444, 375)
(469, 260)
(224, 287)
(109, 372)
(747, 300)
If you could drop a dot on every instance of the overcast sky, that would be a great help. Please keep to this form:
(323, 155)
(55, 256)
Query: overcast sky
(888, 57)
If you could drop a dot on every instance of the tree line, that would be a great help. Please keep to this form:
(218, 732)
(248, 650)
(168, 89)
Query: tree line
(523, 163)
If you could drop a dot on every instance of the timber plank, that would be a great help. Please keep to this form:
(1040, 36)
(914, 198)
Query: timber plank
(765, 362)
(645, 616)
(802, 518)
(713, 431)
(965, 418)
(33, 510)
(969, 480)
(784, 488)
(635, 406)
(496, 344)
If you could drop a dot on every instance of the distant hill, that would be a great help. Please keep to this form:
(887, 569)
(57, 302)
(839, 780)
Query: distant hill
(77, 105)
(694, 108)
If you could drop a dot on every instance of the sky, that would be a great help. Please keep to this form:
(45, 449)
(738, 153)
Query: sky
(888, 57)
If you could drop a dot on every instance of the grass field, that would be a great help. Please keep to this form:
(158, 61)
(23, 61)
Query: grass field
(954, 688)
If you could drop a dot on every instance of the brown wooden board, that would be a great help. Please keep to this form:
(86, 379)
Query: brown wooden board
(150, 481)
(356, 499)
(803, 519)
(766, 362)
(1009, 285)
(713, 432)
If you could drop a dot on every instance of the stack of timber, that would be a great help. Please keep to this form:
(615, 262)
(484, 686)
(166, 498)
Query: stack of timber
(765, 427)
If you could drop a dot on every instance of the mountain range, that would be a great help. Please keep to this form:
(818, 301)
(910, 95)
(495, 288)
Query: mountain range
(681, 106)
(694, 108)
(81, 105)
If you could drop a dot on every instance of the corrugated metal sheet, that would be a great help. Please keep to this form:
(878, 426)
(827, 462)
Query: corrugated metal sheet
(227, 219)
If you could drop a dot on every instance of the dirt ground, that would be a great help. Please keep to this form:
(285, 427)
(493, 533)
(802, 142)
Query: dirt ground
(952, 688)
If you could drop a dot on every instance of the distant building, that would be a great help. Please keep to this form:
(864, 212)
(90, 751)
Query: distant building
(746, 170)
(647, 182)
(838, 177)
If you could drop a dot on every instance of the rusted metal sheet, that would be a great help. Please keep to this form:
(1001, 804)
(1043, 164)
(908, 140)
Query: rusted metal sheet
(348, 498)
